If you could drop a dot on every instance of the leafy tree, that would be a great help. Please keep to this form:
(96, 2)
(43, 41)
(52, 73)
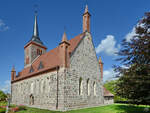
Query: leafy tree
(3, 96)
(111, 86)
(134, 82)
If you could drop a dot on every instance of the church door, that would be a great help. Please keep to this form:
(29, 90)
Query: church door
(31, 99)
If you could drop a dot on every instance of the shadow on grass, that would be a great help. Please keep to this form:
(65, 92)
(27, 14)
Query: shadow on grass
(127, 108)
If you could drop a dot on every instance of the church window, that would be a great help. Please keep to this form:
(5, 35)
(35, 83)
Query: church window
(88, 87)
(44, 86)
(39, 52)
(40, 65)
(42, 83)
(31, 69)
(94, 87)
(32, 88)
(80, 86)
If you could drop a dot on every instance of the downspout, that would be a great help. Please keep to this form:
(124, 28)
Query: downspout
(57, 68)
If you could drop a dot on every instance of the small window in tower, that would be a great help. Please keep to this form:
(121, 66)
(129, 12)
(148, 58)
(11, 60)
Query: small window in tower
(40, 65)
(40, 52)
(31, 69)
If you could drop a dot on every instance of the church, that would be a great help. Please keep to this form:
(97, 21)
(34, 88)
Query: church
(64, 78)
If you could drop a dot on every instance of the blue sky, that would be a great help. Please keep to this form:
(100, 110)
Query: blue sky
(111, 21)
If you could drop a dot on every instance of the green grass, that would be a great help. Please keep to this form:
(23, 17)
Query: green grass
(115, 108)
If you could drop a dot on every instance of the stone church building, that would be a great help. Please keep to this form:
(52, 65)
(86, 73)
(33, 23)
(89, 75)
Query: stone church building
(64, 78)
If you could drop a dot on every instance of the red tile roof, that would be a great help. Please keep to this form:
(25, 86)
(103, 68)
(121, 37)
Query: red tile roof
(49, 60)
(107, 93)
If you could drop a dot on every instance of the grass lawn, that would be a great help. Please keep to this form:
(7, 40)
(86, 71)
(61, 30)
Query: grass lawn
(115, 108)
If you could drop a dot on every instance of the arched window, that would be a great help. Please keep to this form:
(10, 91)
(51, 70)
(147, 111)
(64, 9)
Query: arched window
(32, 88)
(88, 87)
(42, 83)
(94, 86)
(39, 52)
(80, 86)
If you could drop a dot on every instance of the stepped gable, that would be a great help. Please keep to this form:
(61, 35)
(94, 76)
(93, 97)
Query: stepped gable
(107, 93)
(50, 60)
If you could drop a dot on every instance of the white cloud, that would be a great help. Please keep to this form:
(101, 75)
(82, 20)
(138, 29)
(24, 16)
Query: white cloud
(108, 46)
(108, 74)
(6, 86)
(130, 35)
(3, 26)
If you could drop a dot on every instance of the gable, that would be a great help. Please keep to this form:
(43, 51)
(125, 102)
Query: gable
(84, 60)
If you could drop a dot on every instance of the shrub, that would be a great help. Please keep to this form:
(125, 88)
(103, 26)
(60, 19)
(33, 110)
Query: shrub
(22, 107)
(15, 109)
(3, 96)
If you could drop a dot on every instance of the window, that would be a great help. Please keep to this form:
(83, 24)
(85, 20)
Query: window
(88, 87)
(32, 88)
(42, 84)
(94, 86)
(31, 69)
(80, 86)
(39, 52)
(40, 65)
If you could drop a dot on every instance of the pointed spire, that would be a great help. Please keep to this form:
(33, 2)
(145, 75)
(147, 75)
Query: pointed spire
(35, 30)
(13, 69)
(86, 20)
(86, 9)
(35, 36)
(100, 60)
(64, 38)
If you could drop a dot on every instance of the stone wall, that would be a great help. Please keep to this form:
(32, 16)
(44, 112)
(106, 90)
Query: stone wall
(83, 64)
(44, 90)
(108, 100)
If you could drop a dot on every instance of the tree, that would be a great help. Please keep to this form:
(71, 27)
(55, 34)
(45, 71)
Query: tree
(3, 96)
(134, 82)
(111, 86)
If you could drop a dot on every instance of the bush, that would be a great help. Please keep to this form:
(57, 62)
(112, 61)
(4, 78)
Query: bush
(3, 96)
(15, 109)
(22, 107)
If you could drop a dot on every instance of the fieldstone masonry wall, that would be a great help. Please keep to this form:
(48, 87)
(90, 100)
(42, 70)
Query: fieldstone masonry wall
(44, 90)
(83, 64)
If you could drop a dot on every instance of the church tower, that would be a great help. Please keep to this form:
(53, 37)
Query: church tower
(86, 20)
(35, 47)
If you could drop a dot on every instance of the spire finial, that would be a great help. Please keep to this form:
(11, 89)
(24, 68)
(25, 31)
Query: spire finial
(64, 38)
(86, 9)
(100, 60)
(13, 68)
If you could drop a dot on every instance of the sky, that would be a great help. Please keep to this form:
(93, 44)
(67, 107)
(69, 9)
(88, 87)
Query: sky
(111, 22)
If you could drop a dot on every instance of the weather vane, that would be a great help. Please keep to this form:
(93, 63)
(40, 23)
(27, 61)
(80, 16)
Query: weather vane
(86, 2)
(36, 9)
